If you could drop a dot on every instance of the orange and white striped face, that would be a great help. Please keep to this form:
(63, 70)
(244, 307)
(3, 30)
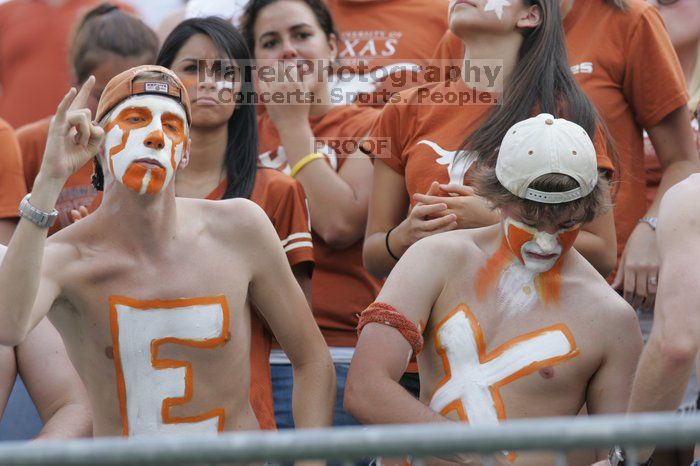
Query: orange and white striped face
(146, 137)
(538, 250)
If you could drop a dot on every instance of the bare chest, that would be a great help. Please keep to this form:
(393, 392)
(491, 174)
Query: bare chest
(149, 337)
(487, 358)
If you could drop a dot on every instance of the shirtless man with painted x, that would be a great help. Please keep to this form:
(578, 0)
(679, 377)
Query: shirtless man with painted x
(153, 294)
(512, 322)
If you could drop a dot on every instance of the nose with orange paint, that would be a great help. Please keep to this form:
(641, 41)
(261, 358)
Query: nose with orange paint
(155, 140)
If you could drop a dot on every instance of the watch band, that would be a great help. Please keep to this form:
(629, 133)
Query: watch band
(38, 217)
(651, 221)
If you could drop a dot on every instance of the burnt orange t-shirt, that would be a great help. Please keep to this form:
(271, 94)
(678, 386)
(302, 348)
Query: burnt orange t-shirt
(12, 186)
(627, 66)
(399, 35)
(283, 200)
(341, 288)
(34, 69)
(77, 191)
(425, 139)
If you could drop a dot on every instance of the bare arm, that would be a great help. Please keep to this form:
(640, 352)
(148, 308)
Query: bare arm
(302, 273)
(8, 374)
(54, 385)
(7, 228)
(674, 143)
(388, 209)
(283, 305)
(372, 393)
(609, 389)
(337, 201)
(667, 360)
(27, 293)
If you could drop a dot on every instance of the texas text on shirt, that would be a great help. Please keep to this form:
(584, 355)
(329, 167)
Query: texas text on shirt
(341, 287)
(284, 202)
(77, 191)
(627, 66)
(393, 35)
(12, 186)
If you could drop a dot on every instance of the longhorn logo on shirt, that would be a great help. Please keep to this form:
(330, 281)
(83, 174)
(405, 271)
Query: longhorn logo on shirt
(457, 166)
(277, 159)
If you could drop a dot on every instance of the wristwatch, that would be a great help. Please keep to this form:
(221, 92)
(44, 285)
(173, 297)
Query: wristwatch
(38, 217)
(616, 457)
(651, 221)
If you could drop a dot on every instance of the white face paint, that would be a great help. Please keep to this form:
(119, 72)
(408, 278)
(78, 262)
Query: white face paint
(144, 143)
(471, 382)
(144, 388)
(497, 6)
(541, 252)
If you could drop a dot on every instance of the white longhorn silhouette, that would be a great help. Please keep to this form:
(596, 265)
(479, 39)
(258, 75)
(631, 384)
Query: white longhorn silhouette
(458, 163)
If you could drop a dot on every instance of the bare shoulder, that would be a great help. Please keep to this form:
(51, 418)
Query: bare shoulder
(602, 305)
(679, 214)
(453, 248)
(237, 218)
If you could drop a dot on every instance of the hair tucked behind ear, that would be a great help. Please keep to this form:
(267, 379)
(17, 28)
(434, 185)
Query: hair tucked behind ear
(541, 81)
(242, 148)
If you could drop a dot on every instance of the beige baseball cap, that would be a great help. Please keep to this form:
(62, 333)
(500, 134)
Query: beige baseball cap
(542, 145)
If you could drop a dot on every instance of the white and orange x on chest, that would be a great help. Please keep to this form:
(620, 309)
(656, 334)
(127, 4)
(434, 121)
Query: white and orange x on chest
(474, 377)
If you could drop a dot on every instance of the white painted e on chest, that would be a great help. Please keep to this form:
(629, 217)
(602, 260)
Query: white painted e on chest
(148, 387)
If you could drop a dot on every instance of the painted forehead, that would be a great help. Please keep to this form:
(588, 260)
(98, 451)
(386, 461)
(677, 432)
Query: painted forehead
(155, 103)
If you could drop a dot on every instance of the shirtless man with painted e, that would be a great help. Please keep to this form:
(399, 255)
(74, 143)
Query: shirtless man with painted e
(512, 321)
(153, 296)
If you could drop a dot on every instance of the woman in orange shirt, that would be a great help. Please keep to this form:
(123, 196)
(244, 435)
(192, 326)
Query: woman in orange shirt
(315, 141)
(623, 59)
(429, 159)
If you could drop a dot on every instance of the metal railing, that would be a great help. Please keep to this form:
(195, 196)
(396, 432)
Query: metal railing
(557, 435)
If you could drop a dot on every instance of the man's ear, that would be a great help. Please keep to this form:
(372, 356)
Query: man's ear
(185, 155)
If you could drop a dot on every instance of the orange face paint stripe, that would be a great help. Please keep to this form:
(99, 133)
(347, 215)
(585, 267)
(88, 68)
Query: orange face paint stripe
(517, 238)
(490, 274)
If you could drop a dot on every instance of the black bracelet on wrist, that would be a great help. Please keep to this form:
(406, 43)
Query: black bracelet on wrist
(388, 249)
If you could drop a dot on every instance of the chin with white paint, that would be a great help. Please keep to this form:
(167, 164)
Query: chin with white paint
(470, 17)
(537, 250)
(145, 141)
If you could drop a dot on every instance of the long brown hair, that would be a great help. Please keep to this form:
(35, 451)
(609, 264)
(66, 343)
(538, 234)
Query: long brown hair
(541, 80)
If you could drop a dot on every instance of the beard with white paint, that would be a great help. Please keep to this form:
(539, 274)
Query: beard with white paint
(145, 142)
